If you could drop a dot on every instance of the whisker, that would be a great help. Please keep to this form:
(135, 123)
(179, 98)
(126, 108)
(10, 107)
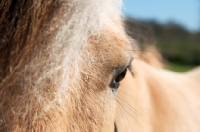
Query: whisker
(120, 106)
(122, 114)
(139, 50)
(147, 63)
(124, 103)
(120, 91)
(128, 106)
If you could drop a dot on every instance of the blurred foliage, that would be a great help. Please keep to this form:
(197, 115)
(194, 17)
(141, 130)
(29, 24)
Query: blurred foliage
(178, 67)
(176, 44)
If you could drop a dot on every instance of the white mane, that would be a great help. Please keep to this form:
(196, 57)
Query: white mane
(80, 19)
(56, 74)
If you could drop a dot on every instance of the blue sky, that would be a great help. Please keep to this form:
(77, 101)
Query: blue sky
(184, 12)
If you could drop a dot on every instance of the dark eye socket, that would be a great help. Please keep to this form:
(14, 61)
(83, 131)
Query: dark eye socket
(121, 75)
(116, 80)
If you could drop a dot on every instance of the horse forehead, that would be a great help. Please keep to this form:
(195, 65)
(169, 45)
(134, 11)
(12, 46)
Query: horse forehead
(111, 46)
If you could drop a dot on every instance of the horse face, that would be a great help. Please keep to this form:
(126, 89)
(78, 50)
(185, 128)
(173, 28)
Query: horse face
(60, 63)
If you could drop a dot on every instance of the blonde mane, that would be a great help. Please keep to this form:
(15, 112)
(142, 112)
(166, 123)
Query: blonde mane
(57, 60)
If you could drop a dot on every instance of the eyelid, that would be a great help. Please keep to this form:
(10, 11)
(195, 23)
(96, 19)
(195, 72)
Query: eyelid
(118, 70)
(129, 67)
(130, 62)
(119, 74)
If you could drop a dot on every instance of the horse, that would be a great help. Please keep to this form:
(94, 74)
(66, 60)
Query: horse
(154, 99)
(61, 63)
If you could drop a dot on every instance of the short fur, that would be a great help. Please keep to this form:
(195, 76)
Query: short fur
(158, 100)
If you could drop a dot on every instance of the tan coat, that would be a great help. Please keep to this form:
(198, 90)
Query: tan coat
(158, 100)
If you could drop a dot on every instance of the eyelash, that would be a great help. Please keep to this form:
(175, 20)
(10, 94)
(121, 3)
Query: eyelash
(130, 68)
(119, 77)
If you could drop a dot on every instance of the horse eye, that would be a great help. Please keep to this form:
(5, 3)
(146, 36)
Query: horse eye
(116, 80)
(121, 75)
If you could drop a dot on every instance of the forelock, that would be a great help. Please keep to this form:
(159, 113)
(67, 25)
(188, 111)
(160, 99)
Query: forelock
(51, 54)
